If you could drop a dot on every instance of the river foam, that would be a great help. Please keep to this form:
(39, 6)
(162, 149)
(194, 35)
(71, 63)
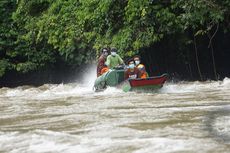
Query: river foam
(186, 87)
(69, 118)
(39, 141)
(74, 89)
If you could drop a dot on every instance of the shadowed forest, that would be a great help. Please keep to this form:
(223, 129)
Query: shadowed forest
(46, 41)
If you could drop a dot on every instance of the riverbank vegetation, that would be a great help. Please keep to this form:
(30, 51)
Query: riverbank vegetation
(188, 38)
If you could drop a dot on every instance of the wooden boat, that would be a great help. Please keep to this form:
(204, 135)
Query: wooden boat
(151, 83)
(115, 78)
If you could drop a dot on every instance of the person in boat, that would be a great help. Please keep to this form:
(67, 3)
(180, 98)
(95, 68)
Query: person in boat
(114, 59)
(140, 66)
(101, 66)
(132, 72)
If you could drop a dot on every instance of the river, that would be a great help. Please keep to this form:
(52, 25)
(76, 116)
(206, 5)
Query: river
(191, 117)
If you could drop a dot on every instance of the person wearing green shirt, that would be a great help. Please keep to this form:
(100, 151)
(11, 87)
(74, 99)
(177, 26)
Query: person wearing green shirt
(114, 59)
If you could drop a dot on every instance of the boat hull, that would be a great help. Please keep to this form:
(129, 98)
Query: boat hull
(151, 83)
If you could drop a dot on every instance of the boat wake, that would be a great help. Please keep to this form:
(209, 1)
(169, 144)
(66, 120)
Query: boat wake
(189, 87)
(54, 91)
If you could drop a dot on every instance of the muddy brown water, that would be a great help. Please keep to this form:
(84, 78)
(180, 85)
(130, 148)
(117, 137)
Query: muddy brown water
(181, 117)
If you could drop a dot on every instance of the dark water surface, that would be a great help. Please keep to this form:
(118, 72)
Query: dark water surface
(70, 118)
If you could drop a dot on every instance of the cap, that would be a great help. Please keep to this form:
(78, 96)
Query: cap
(137, 56)
(130, 60)
(113, 50)
(104, 50)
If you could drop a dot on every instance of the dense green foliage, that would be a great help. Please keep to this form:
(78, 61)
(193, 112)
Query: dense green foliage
(38, 33)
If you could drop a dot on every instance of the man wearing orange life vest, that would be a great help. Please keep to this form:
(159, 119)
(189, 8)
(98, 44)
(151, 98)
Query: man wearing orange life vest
(141, 67)
(101, 67)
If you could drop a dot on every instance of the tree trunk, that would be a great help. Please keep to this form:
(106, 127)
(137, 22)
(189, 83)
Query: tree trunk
(197, 60)
(188, 63)
(212, 51)
(213, 62)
